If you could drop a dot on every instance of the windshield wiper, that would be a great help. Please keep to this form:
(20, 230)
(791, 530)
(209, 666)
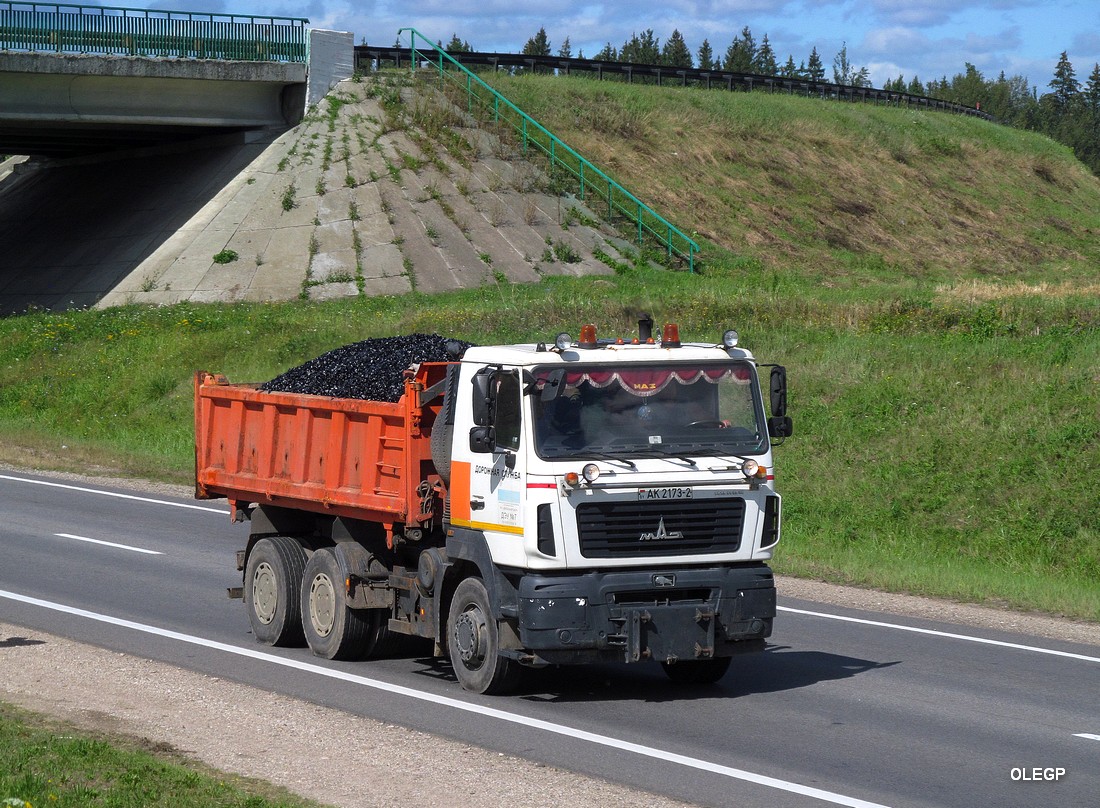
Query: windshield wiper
(675, 453)
(605, 456)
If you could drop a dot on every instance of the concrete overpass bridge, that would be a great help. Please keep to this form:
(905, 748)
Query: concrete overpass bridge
(138, 133)
(88, 79)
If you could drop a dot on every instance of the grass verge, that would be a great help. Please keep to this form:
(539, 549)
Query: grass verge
(944, 445)
(47, 763)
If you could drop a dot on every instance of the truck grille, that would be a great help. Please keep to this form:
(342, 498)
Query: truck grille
(660, 528)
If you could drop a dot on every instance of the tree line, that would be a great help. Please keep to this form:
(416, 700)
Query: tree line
(1069, 113)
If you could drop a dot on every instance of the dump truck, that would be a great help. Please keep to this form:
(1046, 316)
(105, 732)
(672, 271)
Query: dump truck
(580, 501)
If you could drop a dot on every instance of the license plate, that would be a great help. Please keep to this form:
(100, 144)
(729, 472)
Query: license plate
(665, 493)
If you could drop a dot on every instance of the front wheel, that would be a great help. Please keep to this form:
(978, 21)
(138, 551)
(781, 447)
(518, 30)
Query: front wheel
(272, 579)
(697, 671)
(473, 642)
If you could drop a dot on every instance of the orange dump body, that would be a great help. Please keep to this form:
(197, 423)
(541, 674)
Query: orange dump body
(340, 456)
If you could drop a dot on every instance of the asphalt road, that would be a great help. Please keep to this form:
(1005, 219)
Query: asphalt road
(846, 707)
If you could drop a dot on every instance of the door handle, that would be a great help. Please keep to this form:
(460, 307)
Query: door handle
(477, 503)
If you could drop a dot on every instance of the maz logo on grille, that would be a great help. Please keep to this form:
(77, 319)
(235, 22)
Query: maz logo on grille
(661, 533)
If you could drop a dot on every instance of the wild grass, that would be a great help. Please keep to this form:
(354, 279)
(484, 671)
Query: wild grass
(943, 445)
(45, 763)
(830, 190)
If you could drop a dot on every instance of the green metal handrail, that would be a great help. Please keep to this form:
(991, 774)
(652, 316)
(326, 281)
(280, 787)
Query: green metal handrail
(67, 28)
(591, 178)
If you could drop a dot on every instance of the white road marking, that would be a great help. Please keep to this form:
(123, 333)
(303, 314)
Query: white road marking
(456, 704)
(222, 511)
(108, 544)
(935, 633)
(1087, 735)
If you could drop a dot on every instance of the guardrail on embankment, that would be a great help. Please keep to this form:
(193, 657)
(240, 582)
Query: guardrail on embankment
(74, 29)
(684, 76)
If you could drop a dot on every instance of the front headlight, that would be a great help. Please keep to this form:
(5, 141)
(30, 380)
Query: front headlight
(750, 468)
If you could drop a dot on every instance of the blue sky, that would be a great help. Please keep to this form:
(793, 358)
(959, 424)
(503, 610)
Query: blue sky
(925, 38)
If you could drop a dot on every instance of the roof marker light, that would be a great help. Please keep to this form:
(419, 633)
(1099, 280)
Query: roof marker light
(671, 336)
(588, 336)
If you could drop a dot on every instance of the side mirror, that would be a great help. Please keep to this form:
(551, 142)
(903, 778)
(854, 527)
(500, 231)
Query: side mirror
(553, 384)
(482, 439)
(483, 397)
(779, 390)
(780, 426)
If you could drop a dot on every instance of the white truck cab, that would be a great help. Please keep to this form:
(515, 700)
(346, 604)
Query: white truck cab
(618, 498)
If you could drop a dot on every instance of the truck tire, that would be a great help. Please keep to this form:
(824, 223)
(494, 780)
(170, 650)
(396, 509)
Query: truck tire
(697, 671)
(473, 642)
(272, 581)
(332, 630)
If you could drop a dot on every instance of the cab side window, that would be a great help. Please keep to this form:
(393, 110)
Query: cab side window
(507, 412)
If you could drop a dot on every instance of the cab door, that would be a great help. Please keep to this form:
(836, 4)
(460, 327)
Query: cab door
(497, 486)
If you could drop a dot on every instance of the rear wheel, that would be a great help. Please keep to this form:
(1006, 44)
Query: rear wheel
(332, 630)
(272, 580)
(473, 642)
(697, 671)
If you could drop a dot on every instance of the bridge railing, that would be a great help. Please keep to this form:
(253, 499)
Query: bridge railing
(591, 180)
(66, 28)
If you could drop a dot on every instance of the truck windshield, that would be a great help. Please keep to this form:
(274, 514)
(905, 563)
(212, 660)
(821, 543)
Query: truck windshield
(711, 409)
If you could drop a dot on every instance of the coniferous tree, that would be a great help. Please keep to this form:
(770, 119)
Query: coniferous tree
(764, 60)
(706, 56)
(565, 51)
(1092, 91)
(748, 46)
(1065, 84)
(741, 53)
(789, 71)
(1089, 151)
(538, 45)
(457, 45)
(644, 49)
(969, 88)
(675, 52)
(843, 70)
(650, 48)
(915, 87)
(815, 70)
(607, 54)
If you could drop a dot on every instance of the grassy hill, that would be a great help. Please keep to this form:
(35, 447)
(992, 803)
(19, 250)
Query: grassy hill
(928, 280)
(833, 192)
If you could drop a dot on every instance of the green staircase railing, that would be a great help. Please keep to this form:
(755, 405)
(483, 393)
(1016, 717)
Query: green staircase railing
(592, 181)
(67, 28)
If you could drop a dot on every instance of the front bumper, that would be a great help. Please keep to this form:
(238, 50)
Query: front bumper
(630, 616)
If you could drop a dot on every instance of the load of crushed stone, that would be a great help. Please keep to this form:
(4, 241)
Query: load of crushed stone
(371, 369)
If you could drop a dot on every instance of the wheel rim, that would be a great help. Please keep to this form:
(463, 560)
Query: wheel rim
(265, 592)
(471, 628)
(322, 605)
